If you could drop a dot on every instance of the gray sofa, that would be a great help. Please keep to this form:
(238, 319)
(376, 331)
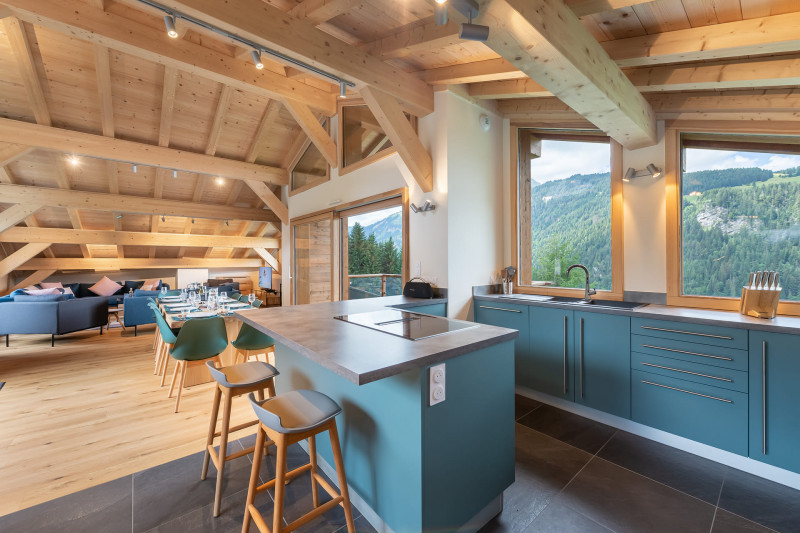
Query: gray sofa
(30, 314)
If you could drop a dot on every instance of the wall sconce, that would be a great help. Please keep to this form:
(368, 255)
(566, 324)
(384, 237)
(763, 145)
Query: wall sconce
(651, 171)
(427, 206)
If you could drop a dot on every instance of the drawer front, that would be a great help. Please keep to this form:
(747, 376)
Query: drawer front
(486, 308)
(685, 331)
(691, 351)
(713, 376)
(713, 416)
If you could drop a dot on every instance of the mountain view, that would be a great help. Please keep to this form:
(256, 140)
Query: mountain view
(391, 226)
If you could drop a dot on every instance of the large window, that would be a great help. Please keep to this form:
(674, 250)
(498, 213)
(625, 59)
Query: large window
(565, 191)
(739, 213)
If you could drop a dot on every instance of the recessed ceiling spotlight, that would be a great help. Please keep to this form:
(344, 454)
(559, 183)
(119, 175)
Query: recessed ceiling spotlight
(169, 22)
(256, 55)
(220, 180)
(74, 160)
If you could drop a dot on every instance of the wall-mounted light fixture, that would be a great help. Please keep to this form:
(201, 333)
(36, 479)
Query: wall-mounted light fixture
(651, 171)
(427, 206)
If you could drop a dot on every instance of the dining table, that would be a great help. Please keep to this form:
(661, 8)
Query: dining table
(177, 312)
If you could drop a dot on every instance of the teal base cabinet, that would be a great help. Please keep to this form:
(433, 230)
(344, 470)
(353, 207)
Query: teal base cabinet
(774, 399)
(551, 359)
(603, 362)
(512, 316)
(429, 309)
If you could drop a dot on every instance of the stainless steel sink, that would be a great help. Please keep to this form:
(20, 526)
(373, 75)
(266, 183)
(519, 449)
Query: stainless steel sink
(608, 304)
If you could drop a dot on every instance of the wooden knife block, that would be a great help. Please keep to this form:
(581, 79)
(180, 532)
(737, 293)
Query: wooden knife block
(759, 303)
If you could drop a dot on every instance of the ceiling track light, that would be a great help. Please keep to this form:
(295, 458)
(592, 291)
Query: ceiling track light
(227, 223)
(175, 174)
(468, 8)
(440, 12)
(169, 23)
(192, 221)
(119, 216)
(171, 15)
(135, 169)
(651, 171)
(256, 55)
(342, 89)
(163, 218)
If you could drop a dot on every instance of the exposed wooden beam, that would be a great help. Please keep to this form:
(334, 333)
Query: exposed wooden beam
(7, 178)
(37, 277)
(473, 72)
(547, 41)
(582, 8)
(233, 194)
(420, 36)
(269, 26)
(219, 117)
(271, 113)
(167, 104)
(74, 217)
(269, 198)
(311, 126)
(130, 263)
(151, 42)
(16, 214)
(759, 36)
(319, 11)
(130, 238)
(293, 153)
(268, 258)
(390, 116)
(10, 152)
(135, 153)
(103, 74)
(23, 54)
(18, 258)
(100, 201)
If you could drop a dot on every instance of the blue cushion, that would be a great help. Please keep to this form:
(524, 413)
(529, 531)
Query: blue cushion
(140, 292)
(132, 285)
(40, 297)
(8, 298)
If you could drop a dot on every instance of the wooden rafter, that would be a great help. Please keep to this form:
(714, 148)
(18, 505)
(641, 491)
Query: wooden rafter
(168, 89)
(319, 11)
(22, 49)
(100, 201)
(309, 123)
(583, 8)
(420, 36)
(18, 258)
(37, 277)
(10, 152)
(473, 72)
(99, 263)
(87, 144)
(268, 258)
(16, 214)
(8, 179)
(132, 238)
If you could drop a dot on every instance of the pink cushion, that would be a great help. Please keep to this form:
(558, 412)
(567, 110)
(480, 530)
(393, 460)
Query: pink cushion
(150, 284)
(105, 287)
(40, 292)
(56, 285)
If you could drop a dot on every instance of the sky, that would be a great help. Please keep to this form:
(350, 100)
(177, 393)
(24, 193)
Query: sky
(562, 159)
(370, 218)
(699, 159)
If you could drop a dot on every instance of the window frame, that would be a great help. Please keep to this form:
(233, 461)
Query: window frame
(617, 243)
(672, 140)
(299, 155)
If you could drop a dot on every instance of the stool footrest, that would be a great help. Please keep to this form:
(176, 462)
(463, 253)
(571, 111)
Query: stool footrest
(240, 427)
(327, 486)
(289, 475)
(311, 515)
(257, 518)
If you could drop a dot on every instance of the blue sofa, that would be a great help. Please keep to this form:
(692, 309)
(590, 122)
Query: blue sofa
(135, 310)
(51, 314)
(81, 290)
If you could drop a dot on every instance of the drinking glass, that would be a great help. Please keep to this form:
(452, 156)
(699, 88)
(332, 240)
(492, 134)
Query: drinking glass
(163, 291)
(183, 295)
(251, 298)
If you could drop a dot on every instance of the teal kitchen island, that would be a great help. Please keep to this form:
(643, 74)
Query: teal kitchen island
(410, 466)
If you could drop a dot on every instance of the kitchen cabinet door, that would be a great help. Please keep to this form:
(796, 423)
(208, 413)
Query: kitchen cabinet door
(774, 397)
(603, 362)
(512, 316)
(551, 352)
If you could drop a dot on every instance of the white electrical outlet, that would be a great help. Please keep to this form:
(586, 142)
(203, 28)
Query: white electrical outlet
(437, 384)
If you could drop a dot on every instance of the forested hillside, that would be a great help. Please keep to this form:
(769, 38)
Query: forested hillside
(367, 254)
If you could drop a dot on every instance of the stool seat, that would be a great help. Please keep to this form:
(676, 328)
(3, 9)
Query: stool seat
(242, 375)
(295, 411)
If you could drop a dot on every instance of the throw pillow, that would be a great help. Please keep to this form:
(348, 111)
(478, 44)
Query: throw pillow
(150, 284)
(41, 292)
(105, 287)
(55, 285)
(39, 297)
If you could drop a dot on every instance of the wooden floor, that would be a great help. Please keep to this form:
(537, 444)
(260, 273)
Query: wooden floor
(88, 411)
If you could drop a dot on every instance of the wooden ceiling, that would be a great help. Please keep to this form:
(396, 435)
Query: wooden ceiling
(146, 104)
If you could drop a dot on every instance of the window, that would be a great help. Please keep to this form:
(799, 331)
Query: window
(361, 139)
(739, 210)
(310, 168)
(566, 214)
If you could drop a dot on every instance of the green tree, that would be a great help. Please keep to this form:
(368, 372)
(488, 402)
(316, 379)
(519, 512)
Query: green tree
(552, 259)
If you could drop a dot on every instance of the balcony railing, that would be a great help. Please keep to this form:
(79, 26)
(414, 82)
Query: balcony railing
(383, 278)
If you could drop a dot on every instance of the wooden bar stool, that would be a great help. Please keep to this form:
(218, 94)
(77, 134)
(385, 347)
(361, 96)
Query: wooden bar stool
(286, 419)
(233, 381)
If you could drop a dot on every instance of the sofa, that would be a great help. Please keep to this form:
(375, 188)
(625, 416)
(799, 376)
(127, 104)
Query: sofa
(135, 311)
(51, 314)
(81, 290)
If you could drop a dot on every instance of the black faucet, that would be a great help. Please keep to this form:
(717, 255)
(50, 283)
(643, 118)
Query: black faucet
(589, 291)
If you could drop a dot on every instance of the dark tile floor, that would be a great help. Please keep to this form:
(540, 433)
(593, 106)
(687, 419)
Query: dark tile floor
(572, 475)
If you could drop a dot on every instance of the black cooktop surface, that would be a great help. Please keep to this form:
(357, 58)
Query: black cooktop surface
(406, 324)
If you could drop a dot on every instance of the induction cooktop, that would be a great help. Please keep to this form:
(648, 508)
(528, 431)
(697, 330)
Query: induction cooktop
(413, 326)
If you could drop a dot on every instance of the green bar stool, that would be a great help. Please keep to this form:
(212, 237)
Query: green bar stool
(198, 340)
(233, 381)
(251, 342)
(286, 419)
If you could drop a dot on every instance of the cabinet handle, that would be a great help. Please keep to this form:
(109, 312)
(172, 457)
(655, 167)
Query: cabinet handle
(689, 353)
(764, 397)
(689, 333)
(565, 354)
(499, 309)
(687, 372)
(688, 392)
(580, 360)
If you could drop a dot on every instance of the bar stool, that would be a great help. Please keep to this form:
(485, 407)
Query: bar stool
(286, 419)
(233, 381)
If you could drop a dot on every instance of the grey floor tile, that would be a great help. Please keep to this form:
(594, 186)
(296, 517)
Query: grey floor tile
(680, 470)
(524, 405)
(202, 520)
(624, 501)
(762, 501)
(558, 518)
(100, 509)
(543, 467)
(578, 431)
(726, 522)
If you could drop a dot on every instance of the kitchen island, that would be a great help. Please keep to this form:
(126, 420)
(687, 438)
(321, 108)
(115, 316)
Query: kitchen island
(411, 466)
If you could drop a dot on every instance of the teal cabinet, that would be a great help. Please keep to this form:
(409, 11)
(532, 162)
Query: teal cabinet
(603, 362)
(551, 359)
(774, 399)
(512, 316)
(429, 309)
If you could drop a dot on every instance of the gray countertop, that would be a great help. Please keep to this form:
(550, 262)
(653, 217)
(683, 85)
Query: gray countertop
(780, 324)
(359, 354)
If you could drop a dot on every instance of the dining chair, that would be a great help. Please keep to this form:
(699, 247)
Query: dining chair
(168, 338)
(257, 303)
(243, 298)
(235, 295)
(252, 342)
(200, 339)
